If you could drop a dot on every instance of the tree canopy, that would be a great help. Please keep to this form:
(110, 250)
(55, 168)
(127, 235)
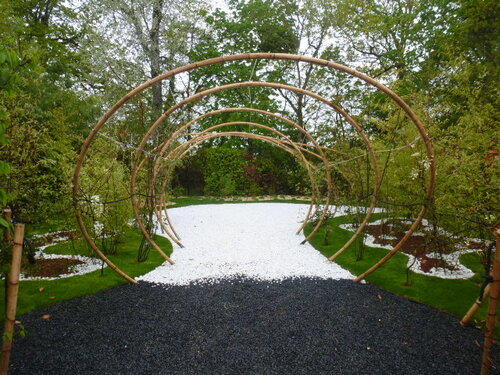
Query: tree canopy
(63, 63)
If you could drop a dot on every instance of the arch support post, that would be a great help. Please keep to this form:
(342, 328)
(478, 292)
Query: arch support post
(12, 293)
(489, 336)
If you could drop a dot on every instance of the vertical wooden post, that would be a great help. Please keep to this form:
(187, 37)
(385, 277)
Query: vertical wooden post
(10, 313)
(7, 214)
(492, 310)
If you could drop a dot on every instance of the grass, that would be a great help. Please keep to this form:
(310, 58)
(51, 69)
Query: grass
(30, 297)
(454, 296)
(196, 200)
(53, 225)
(451, 295)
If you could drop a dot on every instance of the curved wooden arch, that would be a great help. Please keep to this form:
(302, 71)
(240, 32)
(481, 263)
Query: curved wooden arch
(257, 56)
(178, 153)
(360, 229)
(273, 85)
(178, 132)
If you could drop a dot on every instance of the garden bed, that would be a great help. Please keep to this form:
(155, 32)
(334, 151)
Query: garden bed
(431, 250)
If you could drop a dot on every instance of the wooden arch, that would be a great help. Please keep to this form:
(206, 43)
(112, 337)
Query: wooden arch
(252, 56)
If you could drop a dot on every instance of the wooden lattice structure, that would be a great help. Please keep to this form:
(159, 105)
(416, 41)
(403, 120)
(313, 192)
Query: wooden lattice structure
(169, 150)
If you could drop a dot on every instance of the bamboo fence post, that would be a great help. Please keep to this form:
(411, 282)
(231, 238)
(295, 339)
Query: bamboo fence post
(489, 336)
(7, 214)
(12, 292)
(473, 309)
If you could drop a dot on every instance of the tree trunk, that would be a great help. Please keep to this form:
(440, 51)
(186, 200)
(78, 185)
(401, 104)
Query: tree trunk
(154, 57)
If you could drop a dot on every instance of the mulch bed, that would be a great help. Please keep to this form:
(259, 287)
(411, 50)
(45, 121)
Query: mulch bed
(418, 246)
(300, 326)
(50, 267)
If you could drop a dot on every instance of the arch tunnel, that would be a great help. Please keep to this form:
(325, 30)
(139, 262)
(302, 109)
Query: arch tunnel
(167, 141)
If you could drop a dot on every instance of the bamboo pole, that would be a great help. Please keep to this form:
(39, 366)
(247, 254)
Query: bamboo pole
(489, 336)
(178, 133)
(7, 214)
(135, 206)
(473, 310)
(202, 136)
(140, 222)
(172, 234)
(12, 292)
(202, 94)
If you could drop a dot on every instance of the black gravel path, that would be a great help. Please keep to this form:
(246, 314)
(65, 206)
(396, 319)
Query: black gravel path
(244, 327)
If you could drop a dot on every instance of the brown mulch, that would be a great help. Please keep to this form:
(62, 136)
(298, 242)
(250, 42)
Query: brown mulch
(48, 267)
(418, 246)
(51, 267)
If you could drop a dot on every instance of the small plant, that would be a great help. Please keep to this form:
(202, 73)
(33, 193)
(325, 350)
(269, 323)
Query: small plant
(326, 240)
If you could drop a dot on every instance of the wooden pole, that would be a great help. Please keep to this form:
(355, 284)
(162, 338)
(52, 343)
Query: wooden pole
(473, 310)
(489, 336)
(10, 313)
(7, 214)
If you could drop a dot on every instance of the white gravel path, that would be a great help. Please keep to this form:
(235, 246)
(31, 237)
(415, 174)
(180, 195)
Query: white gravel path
(252, 240)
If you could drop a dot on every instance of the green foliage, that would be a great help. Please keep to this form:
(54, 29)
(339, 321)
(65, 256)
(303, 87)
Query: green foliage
(269, 22)
(439, 57)
(8, 64)
(40, 152)
(42, 116)
(225, 172)
(103, 180)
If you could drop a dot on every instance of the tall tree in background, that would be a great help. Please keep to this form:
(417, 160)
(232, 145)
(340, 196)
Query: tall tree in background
(46, 118)
(157, 33)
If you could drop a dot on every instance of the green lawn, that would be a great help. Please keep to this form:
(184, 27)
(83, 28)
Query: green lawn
(454, 296)
(195, 200)
(30, 297)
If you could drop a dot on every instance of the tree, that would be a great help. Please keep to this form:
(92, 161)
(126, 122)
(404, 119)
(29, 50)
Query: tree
(8, 63)
(46, 119)
(159, 32)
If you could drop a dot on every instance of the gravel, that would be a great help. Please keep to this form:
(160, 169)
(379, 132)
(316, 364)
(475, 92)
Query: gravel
(245, 298)
(241, 326)
(253, 240)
